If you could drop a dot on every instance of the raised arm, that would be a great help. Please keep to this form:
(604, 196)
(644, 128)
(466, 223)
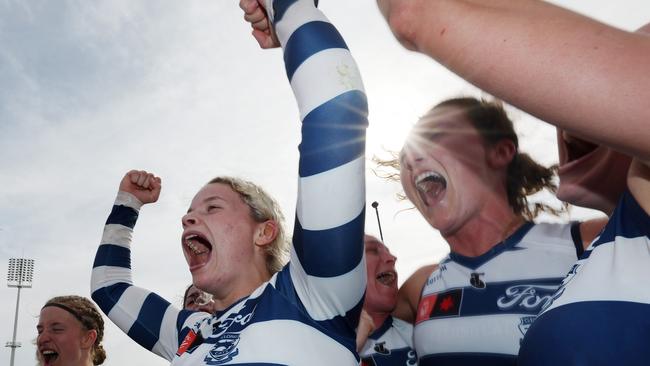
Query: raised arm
(572, 71)
(144, 316)
(326, 266)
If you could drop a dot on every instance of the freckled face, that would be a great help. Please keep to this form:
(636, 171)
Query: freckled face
(218, 239)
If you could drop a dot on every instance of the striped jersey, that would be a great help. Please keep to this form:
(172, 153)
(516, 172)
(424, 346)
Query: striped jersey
(390, 345)
(601, 313)
(476, 310)
(306, 313)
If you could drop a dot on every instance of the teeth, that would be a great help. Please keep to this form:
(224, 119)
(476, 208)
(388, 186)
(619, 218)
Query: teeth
(386, 277)
(48, 352)
(190, 242)
(420, 178)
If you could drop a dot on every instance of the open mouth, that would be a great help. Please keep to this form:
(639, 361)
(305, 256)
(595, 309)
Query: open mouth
(49, 356)
(431, 187)
(197, 248)
(387, 278)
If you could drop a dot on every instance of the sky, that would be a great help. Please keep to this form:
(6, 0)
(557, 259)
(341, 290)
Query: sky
(90, 90)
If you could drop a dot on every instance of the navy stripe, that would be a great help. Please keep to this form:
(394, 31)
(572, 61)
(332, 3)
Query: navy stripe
(180, 321)
(509, 244)
(146, 329)
(309, 39)
(280, 7)
(334, 133)
(331, 252)
(107, 297)
(577, 238)
(629, 220)
(469, 358)
(113, 255)
(589, 333)
(122, 215)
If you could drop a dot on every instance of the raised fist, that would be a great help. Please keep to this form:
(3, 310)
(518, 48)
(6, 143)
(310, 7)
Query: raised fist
(143, 185)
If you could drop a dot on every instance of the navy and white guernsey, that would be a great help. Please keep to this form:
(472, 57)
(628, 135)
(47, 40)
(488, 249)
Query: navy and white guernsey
(390, 345)
(601, 313)
(307, 313)
(475, 311)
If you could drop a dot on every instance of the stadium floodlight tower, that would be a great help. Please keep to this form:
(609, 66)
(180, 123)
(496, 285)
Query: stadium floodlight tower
(21, 271)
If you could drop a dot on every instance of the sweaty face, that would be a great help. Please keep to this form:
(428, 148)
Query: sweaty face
(217, 240)
(60, 340)
(381, 291)
(443, 169)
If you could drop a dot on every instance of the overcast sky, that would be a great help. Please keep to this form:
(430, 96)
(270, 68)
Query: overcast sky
(90, 90)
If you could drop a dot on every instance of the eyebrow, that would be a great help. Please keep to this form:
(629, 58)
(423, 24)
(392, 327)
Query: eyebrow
(208, 199)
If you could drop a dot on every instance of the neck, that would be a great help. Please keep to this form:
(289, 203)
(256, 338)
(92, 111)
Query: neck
(481, 233)
(242, 288)
(378, 317)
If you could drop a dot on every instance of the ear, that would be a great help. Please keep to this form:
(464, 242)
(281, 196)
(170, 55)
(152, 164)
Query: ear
(265, 233)
(88, 340)
(501, 154)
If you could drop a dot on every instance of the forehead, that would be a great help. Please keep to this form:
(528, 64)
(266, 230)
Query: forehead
(372, 242)
(215, 191)
(52, 314)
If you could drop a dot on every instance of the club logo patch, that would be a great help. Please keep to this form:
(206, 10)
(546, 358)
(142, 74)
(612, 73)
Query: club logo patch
(224, 350)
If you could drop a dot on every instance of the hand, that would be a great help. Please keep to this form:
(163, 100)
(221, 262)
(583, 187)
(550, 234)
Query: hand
(143, 185)
(255, 14)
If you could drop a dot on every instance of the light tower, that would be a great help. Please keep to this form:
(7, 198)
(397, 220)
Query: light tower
(21, 271)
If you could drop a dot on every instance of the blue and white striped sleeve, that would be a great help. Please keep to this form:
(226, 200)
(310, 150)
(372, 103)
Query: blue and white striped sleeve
(327, 265)
(147, 318)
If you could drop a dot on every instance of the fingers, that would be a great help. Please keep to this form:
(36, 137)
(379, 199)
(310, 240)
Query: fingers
(264, 39)
(143, 179)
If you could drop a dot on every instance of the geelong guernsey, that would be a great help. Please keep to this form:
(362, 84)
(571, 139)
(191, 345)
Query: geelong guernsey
(476, 310)
(601, 313)
(390, 345)
(306, 314)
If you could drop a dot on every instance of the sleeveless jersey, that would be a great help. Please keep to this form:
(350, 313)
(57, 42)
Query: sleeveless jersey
(476, 310)
(601, 313)
(390, 345)
(307, 313)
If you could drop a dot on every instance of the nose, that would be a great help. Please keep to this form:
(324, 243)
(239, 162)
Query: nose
(387, 256)
(411, 156)
(189, 219)
(42, 338)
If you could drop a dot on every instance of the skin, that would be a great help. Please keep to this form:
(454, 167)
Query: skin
(548, 61)
(472, 213)
(233, 264)
(61, 332)
(562, 67)
(194, 301)
(381, 296)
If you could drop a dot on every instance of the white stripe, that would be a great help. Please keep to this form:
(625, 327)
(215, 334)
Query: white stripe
(117, 234)
(296, 15)
(469, 334)
(126, 311)
(332, 198)
(267, 342)
(325, 298)
(127, 199)
(104, 276)
(613, 272)
(332, 70)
